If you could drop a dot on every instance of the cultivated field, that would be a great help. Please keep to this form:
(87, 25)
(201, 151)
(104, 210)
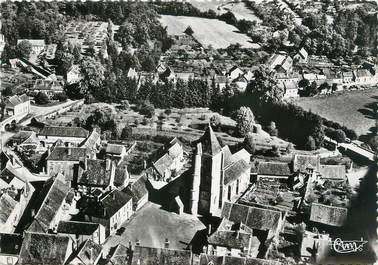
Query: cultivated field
(352, 109)
(207, 31)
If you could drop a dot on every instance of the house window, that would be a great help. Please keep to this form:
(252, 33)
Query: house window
(229, 193)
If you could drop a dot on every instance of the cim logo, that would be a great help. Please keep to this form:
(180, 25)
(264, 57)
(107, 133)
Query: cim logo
(349, 246)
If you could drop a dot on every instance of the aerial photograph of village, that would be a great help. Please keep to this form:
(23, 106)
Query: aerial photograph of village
(225, 132)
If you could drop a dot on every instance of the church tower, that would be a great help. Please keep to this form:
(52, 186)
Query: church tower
(207, 175)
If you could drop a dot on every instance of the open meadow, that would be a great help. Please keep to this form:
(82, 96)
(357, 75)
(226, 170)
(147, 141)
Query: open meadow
(354, 109)
(207, 32)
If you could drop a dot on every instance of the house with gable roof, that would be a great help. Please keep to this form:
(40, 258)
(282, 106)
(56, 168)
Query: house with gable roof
(301, 57)
(44, 249)
(68, 135)
(112, 210)
(88, 253)
(17, 105)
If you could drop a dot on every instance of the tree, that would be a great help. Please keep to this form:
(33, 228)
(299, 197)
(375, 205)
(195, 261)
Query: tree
(126, 133)
(272, 129)
(24, 49)
(189, 31)
(93, 77)
(339, 136)
(41, 98)
(215, 121)
(62, 97)
(244, 121)
(310, 144)
(147, 109)
(7, 92)
(264, 87)
(249, 144)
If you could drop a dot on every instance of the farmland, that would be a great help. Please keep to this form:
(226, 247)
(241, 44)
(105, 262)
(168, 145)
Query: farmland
(352, 109)
(212, 32)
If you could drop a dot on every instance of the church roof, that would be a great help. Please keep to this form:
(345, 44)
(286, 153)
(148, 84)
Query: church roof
(210, 143)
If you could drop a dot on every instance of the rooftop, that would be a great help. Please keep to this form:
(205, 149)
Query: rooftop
(16, 100)
(161, 256)
(77, 228)
(61, 131)
(274, 169)
(7, 205)
(10, 244)
(38, 248)
(329, 215)
(115, 149)
(253, 217)
(302, 162)
(333, 172)
(95, 173)
(67, 154)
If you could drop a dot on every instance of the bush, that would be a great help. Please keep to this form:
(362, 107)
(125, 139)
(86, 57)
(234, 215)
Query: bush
(339, 136)
(41, 98)
(62, 97)
(147, 109)
(168, 112)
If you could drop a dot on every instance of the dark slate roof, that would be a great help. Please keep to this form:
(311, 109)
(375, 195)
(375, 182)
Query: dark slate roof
(54, 199)
(115, 149)
(77, 228)
(230, 239)
(10, 244)
(329, 215)
(253, 217)
(302, 162)
(161, 256)
(110, 204)
(333, 172)
(7, 205)
(229, 260)
(61, 131)
(235, 170)
(119, 255)
(95, 174)
(210, 143)
(45, 249)
(62, 154)
(138, 188)
(273, 169)
(88, 252)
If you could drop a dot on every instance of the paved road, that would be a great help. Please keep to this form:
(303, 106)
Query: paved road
(356, 149)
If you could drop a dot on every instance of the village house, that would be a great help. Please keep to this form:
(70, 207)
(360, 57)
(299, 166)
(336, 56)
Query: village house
(63, 160)
(87, 254)
(328, 215)
(93, 142)
(115, 152)
(302, 163)
(74, 75)
(273, 170)
(10, 245)
(218, 176)
(55, 206)
(170, 162)
(18, 106)
(41, 248)
(48, 86)
(148, 255)
(363, 77)
(113, 209)
(68, 135)
(100, 174)
(9, 214)
(24, 139)
(281, 62)
(333, 173)
(38, 46)
(138, 191)
(81, 231)
(232, 243)
(301, 57)
(259, 220)
(234, 73)
(347, 77)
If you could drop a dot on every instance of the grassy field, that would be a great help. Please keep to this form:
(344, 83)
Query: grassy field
(207, 31)
(352, 109)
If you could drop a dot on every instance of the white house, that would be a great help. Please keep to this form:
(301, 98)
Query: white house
(69, 135)
(17, 105)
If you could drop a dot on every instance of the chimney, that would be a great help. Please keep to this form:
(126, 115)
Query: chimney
(166, 243)
(69, 151)
(104, 211)
(209, 229)
(32, 212)
(85, 163)
(144, 164)
(137, 242)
